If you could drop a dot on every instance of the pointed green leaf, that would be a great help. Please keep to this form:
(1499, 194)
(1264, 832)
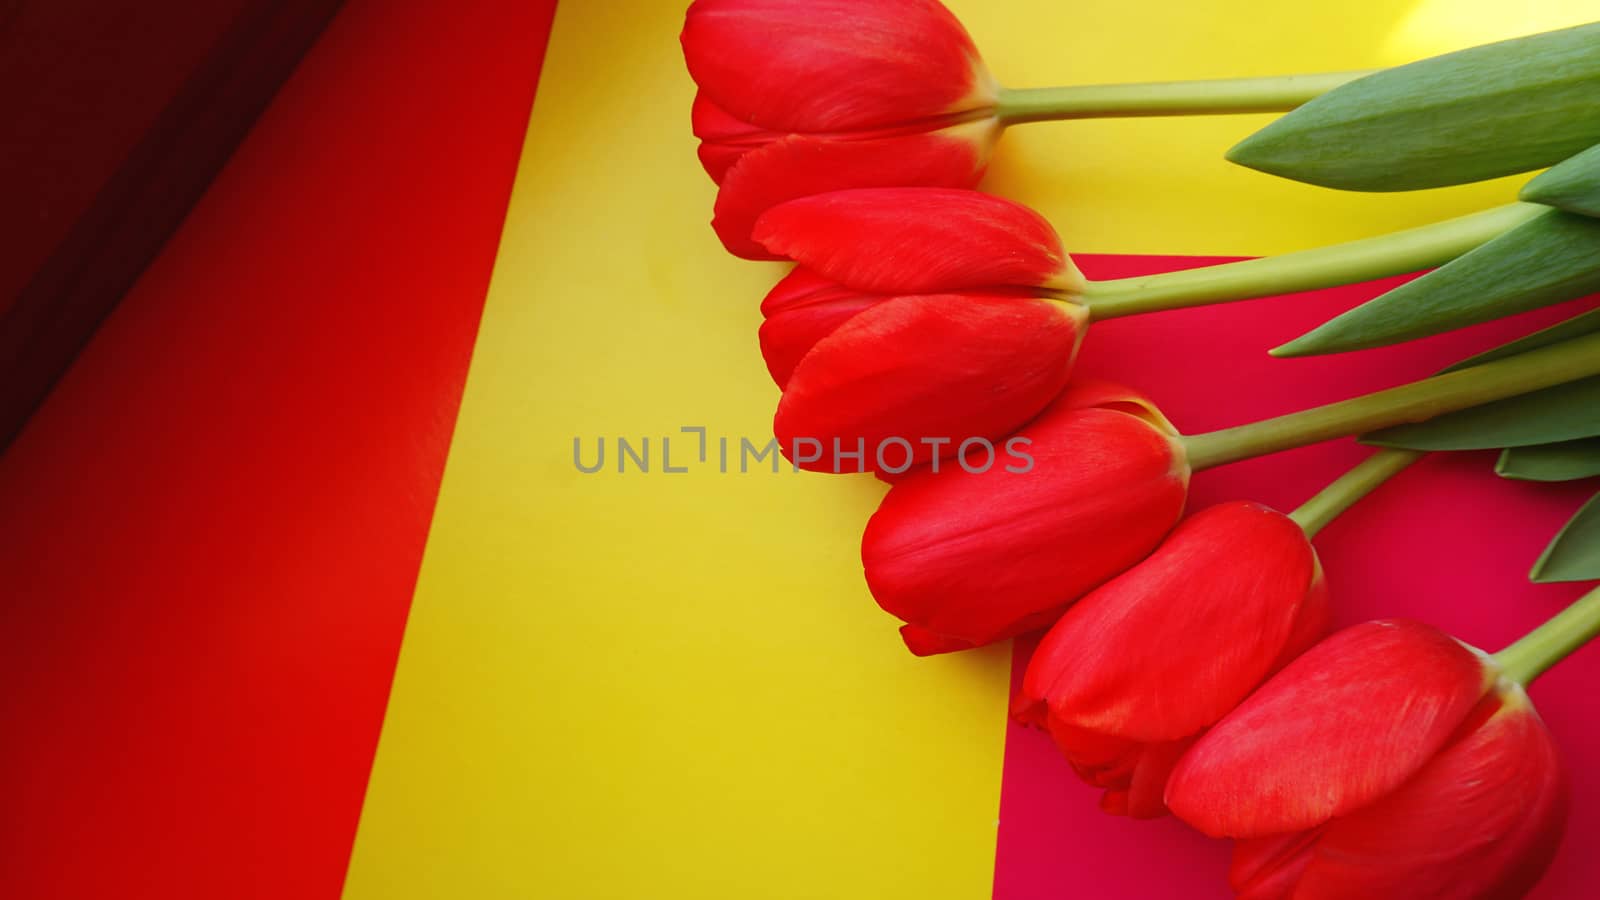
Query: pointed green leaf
(1548, 259)
(1513, 422)
(1562, 413)
(1488, 111)
(1573, 185)
(1566, 461)
(1575, 553)
(1577, 326)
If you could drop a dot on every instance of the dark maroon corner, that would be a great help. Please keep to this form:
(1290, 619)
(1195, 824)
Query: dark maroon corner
(114, 117)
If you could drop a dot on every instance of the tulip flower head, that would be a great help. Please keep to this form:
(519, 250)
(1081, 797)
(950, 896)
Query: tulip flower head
(967, 557)
(798, 97)
(1141, 666)
(918, 315)
(1388, 761)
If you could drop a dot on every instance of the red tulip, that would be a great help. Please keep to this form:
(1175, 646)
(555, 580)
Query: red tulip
(801, 310)
(1135, 671)
(920, 241)
(967, 555)
(919, 316)
(928, 374)
(1387, 761)
(806, 96)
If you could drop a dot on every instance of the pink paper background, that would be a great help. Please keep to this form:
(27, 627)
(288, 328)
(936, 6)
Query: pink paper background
(1446, 542)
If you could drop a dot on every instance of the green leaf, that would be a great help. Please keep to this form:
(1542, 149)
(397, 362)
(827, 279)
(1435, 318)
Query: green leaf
(1574, 555)
(1513, 422)
(1566, 461)
(1573, 185)
(1488, 111)
(1577, 326)
(1548, 259)
(1562, 413)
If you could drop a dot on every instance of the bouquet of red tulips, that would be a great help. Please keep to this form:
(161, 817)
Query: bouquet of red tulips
(927, 335)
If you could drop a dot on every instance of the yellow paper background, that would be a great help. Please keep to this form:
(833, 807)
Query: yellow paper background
(676, 685)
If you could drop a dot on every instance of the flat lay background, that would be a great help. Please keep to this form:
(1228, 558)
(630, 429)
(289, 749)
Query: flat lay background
(311, 600)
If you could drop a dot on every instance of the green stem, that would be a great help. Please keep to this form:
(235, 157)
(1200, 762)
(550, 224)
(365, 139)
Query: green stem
(1315, 514)
(1415, 402)
(1306, 270)
(1551, 642)
(1174, 98)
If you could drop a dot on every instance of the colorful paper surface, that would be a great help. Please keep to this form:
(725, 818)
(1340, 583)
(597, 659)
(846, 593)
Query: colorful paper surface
(635, 685)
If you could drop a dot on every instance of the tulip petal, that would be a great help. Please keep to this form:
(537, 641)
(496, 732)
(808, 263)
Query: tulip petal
(1087, 392)
(1114, 803)
(1346, 723)
(1312, 625)
(1148, 786)
(833, 65)
(1027, 709)
(1101, 760)
(800, 166)
(1170, 646)
(788, 337)
(922, 642)
(802, 309)
(1268, 868)
(723, 137)
(918, 240)
(1482, 819)
(802, 287)
(1133, 774)
(941, 366)
(984, 556)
